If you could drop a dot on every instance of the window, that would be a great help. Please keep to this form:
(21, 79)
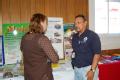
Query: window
(107, 16)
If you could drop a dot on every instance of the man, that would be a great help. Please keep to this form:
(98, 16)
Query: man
(87, 48)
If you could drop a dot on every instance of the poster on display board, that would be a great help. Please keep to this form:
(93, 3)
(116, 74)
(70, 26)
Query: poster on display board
(12, 37)
(69, 30)
(55, 33)
(1, 51)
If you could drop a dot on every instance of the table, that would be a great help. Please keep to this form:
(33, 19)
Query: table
(58, 75)
(109, 71)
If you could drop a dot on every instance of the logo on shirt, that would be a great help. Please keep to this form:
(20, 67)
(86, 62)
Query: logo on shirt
(84, 40)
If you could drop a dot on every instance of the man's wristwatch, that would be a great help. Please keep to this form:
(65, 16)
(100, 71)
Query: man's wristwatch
(93, 70)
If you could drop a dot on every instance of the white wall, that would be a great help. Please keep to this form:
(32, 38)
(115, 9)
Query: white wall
(108, 41)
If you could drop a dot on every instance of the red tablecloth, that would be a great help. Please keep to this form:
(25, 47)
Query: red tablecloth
(109, 71)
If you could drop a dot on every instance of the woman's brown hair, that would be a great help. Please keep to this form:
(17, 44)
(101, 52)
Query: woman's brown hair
(35, 23)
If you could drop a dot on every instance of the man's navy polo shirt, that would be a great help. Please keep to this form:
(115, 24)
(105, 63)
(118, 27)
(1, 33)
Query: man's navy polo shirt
(85, 47)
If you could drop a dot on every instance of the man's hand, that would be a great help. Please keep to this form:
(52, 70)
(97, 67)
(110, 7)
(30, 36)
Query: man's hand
(90, 75)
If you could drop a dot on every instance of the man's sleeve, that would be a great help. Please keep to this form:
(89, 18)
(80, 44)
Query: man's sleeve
(96, 44)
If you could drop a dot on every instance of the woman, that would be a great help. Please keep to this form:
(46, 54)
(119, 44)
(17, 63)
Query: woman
(37, 50)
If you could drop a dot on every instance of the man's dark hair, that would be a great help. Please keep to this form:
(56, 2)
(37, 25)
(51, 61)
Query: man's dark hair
(81, 16)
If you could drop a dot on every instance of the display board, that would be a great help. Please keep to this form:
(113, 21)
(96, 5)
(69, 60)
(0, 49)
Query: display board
(13, 33)
(12, 37)
(0, 29)
(55, 34)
